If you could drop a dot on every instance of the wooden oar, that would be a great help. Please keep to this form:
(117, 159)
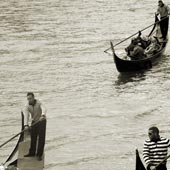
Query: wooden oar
(162, 161)
(11, 138)
(18, 134)
(136, 33)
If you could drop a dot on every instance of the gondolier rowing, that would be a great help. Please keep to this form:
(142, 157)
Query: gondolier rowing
(164, 12)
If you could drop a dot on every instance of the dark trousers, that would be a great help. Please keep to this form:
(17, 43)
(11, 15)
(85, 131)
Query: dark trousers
(38, 132)
(161, 167)
(164, 26)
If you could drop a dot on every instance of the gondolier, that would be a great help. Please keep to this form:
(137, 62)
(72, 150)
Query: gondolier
(155, 150)
(164, 12)
(37, 111)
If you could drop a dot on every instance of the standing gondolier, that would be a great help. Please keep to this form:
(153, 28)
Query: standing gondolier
(36, 110)
(164, 12)
(155, 150)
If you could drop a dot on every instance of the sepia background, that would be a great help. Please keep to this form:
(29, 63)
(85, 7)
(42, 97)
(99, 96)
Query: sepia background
(96, 117)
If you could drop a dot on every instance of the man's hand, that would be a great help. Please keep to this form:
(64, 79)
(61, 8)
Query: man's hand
(42, 117)
(152, 167)
(26, 127)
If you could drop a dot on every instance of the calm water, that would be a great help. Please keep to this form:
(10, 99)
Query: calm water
(96, 117)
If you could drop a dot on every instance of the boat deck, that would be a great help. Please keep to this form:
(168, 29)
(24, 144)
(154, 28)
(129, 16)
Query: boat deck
(28, 163)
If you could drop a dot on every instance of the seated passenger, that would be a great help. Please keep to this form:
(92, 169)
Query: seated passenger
(138, 52)
(153, 47)
(144, 40)
(130, 48)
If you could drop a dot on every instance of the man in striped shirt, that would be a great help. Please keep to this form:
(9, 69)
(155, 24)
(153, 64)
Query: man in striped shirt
(155, 150)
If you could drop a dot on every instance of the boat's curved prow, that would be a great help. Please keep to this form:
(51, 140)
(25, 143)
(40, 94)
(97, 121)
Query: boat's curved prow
(22, 148)
(112, 47)
(13, 153)
(139, 164)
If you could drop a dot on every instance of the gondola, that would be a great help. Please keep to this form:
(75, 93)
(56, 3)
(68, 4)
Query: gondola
(126, 64)
(16, 160)
(139, 164)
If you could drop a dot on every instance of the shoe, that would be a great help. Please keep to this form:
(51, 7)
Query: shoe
(29, 155)
(39, 158)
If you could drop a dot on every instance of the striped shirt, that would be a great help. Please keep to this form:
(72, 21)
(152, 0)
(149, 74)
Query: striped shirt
(155, 152)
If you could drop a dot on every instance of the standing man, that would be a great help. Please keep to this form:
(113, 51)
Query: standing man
(164, 12)
(36, 110)
(155, 150)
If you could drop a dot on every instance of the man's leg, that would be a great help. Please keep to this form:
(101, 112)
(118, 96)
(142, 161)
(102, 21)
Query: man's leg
(166, 24)
(34, 133)
(41, 141)
(33, 142)
(162, 27)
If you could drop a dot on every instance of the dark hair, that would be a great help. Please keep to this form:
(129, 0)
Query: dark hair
(30, 94)
(154, 129)
(134, 41)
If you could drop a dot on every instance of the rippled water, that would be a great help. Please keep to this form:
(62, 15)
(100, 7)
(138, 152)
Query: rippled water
(96, 117)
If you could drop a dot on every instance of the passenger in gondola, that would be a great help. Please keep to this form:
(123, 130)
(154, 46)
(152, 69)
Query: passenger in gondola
(138, 52)
(154, 47)
(144, 40)
(131, 47)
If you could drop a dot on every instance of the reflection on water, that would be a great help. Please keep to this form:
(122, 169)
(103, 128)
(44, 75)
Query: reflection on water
(130, 77)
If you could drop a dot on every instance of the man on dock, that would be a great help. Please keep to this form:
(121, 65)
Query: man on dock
(155, 150)
(164, 12)
(37, 111)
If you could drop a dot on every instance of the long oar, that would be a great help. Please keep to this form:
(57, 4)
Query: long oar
(136, 33)
(17, 135)
(162, 161)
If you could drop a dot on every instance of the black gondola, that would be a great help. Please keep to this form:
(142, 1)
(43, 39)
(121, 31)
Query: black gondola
(130, 65)
(16, 159)
(139, 164)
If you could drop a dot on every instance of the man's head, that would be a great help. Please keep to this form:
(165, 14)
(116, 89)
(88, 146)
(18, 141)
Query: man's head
(30, 98)
(134, 41)
(160, 3)
(153, 133)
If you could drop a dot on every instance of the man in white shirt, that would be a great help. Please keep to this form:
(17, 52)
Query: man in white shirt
(164, 12)
(37, 111)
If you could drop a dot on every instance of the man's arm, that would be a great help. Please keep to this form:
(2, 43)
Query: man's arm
(44, 111)
(146, 155)
(168, 10)
(26, 115)
(158, 11)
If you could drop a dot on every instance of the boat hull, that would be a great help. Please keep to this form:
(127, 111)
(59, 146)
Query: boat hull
(138, 65)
